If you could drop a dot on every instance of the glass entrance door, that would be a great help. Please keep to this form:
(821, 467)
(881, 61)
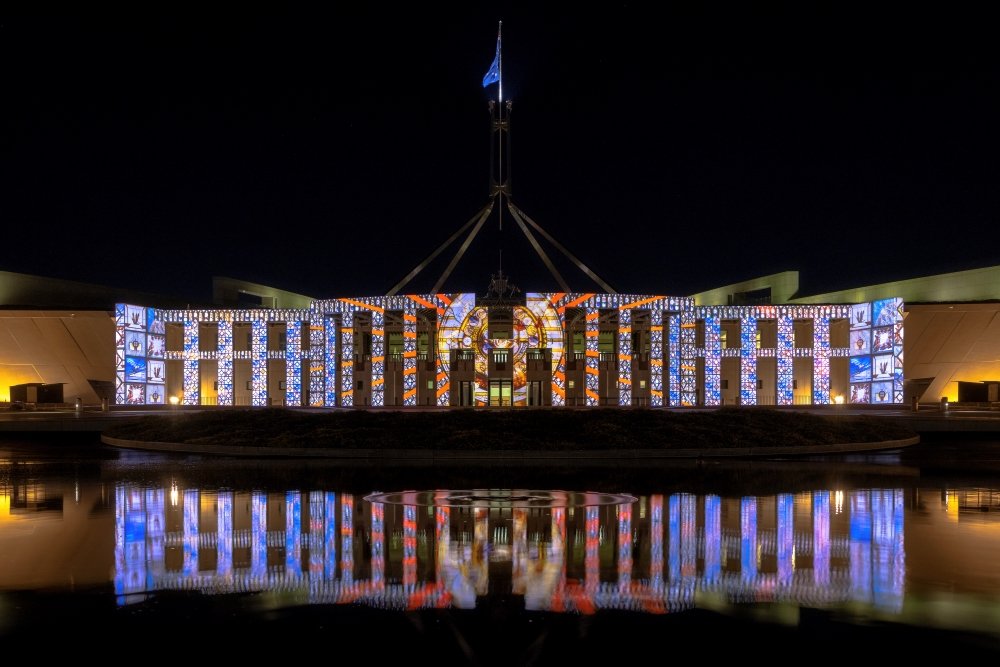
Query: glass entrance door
(500, 392)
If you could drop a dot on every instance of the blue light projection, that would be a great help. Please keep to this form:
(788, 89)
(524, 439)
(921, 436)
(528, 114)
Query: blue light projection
(192, 388)
(293, 534)
(258, 534)
(224, 535)
(748, 539)
(713, 361)
(821, 538)
(748, 360)
(691, 547)
(314, 539)
(785, 544)
(345, 363)
(674, 359)
(225, 378)
(688, 367)
(785, 354)
(821, 360)
(713, 538)
(258, 363)
(335, 376)
(293, 363)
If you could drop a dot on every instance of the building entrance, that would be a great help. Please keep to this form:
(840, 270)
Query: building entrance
(500, 392)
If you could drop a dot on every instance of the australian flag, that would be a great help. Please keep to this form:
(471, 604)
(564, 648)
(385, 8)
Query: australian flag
(493, 75)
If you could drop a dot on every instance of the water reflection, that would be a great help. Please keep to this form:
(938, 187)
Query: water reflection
(562, 551)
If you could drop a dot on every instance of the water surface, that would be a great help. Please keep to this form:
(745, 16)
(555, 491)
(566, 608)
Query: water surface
(879, 554)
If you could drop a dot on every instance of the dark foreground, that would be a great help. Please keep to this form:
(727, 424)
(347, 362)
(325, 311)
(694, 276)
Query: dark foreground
(188, 625)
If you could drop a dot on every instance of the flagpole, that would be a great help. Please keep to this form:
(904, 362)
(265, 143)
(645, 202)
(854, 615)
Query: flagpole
(500, 133)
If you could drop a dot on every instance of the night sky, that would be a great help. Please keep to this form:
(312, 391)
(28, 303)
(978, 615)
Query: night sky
(670, 151)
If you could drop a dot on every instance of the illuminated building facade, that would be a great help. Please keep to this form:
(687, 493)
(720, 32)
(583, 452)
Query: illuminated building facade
(545, 349)
(739, 344)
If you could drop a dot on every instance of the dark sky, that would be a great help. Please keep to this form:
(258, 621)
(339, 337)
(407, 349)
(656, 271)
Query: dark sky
(330, 153)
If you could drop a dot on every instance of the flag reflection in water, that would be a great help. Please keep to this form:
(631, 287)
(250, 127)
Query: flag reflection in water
(563, 552)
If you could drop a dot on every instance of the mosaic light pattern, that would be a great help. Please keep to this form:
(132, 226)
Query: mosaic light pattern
(344, 326)
(410, 355)
(713, 361)
(821, 360)
(786, 356)
(548, 334)
(293, 363)
(875, 350)
(191, 379)
(656, 358)
(225, 373)
(624, 356)
(593, 356)
(674, 360)
(318, 363)
(688, 369)
(748, 360)
(258, 363)
(452, 336)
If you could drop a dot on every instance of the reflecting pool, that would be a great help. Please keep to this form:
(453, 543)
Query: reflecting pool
(883, 554)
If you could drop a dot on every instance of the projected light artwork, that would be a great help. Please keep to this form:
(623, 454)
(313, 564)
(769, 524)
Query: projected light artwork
(546, 349)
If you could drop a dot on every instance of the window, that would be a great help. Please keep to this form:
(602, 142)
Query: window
(361, 385)
(572, 383)
(723, 338)
(642, 384)
(430, 384)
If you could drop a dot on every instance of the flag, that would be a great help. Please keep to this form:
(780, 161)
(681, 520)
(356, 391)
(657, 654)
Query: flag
(493, 75)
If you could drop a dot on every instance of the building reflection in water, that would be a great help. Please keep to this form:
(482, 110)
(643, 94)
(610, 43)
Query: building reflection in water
(651, 554)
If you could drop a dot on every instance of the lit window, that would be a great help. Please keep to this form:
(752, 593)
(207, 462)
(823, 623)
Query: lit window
(642, 384)
(572, 383)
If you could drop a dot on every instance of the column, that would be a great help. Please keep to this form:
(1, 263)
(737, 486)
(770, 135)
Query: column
(785, 358)
(293, 363)
(224, 376)
(821, 360)
(624, 357)
(192, 387)
(258, 362)
(593, 356)
(748, 360)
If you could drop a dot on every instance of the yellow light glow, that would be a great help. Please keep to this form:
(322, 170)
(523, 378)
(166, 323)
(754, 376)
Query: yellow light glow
(174, 400)
(838, 399)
